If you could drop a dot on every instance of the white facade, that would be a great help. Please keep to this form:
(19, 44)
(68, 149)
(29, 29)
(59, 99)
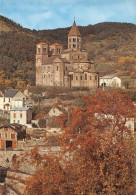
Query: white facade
(8, 101)
(110, 81)
(55, 112)
(21, 116)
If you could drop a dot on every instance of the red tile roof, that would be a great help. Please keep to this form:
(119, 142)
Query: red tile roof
(56, 44)
(41, 43)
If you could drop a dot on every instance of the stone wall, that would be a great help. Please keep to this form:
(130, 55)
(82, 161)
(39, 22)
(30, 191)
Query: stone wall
(15, 182)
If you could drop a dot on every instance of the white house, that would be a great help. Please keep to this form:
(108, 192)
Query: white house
(51, 119)
(11, 98)
(21, 116)
(110, 81)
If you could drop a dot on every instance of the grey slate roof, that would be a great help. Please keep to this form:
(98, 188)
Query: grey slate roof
(11, 92)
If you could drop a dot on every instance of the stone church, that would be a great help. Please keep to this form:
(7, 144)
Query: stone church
(66, 68)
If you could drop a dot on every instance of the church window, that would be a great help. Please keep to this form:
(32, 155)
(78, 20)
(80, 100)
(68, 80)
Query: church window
(90, 78)
(57, 68)
(76, 77)
(38, 50)
(44, 50)
(85, 76)
(52, 51)
(72, 77)
(74, 45)
(58, 50)
(81, 77)
(74, 39)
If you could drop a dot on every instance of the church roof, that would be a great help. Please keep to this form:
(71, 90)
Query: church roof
(84, 60)
(49, 60)
(79, 70)
(55, 44)
(41, 43)
(74, 31)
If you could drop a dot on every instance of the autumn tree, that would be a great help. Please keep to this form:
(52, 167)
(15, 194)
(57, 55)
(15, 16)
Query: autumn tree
(96, 150)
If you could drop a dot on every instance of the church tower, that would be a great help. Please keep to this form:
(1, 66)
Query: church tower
(41, 54)
(74, 38)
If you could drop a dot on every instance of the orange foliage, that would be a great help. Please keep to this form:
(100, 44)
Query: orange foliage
(97, 150)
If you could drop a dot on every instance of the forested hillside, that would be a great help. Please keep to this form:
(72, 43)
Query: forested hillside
(111, 45)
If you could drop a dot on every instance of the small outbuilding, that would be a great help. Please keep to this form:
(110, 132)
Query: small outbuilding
(10, 135)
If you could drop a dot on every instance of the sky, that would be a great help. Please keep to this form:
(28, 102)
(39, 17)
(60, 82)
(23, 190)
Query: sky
(52, 14)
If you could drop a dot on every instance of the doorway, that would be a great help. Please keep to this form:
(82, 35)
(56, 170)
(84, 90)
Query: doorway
(8, 144)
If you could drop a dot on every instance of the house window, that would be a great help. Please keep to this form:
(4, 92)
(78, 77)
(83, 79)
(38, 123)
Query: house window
(12, 136)
(20, 115)
(70, 40)
(74, 45)
(5, 135)
(74, 39)
(14, 115)
(85, 76)
(57, 68)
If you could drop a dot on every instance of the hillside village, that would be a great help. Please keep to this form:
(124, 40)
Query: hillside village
(63, 76)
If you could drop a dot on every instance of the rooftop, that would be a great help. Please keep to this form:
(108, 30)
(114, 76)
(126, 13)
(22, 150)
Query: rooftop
(20, 109)
(41, 43)
(55, 44)
(74, 31)
(11, 92)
